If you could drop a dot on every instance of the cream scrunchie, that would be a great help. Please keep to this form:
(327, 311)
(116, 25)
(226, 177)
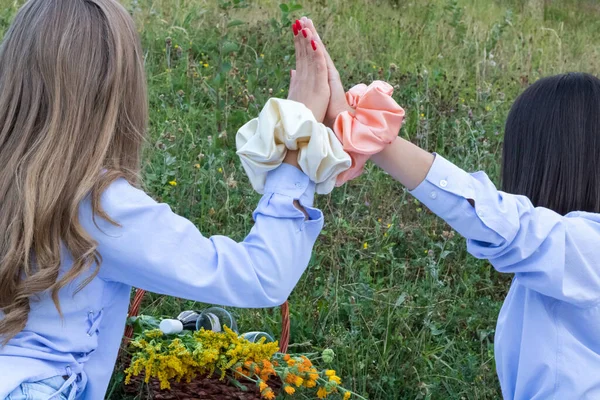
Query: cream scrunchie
(262, 144)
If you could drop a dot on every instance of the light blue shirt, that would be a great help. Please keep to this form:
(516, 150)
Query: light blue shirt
(157, 250)
(547, 342)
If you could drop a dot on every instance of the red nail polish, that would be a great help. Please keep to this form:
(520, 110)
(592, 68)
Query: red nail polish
(298, 25)
(304, 33)
(295, 28)
(314, 45)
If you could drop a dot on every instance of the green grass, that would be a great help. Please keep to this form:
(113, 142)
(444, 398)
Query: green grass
(409, 314)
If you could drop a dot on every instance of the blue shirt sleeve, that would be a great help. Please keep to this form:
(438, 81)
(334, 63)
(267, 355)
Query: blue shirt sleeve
(555, 255)
(157, 250)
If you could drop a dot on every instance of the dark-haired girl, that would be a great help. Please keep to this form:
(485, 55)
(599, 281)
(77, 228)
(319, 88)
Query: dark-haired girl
(544, 227)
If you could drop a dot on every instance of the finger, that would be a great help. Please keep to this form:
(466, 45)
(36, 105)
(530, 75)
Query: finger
(309, 45)
(310, 25)
(298, 48)
(332, 71)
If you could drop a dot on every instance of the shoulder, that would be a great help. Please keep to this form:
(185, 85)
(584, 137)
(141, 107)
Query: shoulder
(118, 201)
(120, 193)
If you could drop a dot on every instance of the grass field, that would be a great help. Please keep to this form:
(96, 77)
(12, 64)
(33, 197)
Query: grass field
(390, 288)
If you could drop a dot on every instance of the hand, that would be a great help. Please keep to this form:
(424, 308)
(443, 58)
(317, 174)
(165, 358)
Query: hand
(309, 84)
(337, 102)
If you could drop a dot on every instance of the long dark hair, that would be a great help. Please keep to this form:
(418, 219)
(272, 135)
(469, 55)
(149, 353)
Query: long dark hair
(552, 144)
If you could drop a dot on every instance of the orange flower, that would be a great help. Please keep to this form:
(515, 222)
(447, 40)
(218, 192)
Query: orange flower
(291, 378)
(267, 364)
(286, 357)
(289, 390)
(262, 386)
(322, 393)
(291, 362)
(268, 394)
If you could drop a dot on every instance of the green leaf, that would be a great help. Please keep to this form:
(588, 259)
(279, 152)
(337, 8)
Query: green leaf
(235, 22)
(284, 7)
(225, 67)
(230, 47)
(401, 300)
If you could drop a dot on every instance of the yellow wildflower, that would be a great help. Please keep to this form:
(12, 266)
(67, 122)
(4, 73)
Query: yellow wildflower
(365, 245)
(205, 65)
(347, 395)
(173, 182)
(322, 393)
(220, 170)
(262, 386)
(197, 166)
(422, 115)
(289, 390)
(309, 383)
(299, 381)
(330, 372)
(335, 379)
(262, 55)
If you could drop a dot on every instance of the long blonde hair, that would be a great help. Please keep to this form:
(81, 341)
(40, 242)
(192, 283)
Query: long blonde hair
(73, 114)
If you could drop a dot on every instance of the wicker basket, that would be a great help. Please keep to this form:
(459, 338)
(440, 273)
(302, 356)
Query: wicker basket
(202, 387)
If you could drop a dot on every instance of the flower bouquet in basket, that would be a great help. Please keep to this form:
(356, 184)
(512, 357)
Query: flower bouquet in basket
(201, 356)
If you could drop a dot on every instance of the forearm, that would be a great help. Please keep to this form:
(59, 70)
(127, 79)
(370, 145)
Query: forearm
(405, 162)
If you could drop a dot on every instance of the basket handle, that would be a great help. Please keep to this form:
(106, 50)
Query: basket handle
(284, 342)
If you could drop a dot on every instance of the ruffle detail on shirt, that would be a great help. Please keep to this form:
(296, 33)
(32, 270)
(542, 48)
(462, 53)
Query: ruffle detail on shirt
(262, 144)
(376, 123)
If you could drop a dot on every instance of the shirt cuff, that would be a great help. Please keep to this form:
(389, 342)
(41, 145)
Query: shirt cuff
(287, 180)
(445, 187)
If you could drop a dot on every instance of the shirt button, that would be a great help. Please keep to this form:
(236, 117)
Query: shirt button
(433, 195)
(443, 183)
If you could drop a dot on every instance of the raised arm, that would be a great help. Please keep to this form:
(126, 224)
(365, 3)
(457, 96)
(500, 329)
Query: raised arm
(157, 250)
(552, 254)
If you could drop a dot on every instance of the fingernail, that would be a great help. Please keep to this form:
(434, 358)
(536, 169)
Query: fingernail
(304, 33)
(295, 28)
(298, 25)
(314, 45)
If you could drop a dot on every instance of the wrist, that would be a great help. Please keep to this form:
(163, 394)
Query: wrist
(291, 158)
(330, 122)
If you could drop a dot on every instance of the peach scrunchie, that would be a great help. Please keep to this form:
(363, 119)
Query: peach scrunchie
(376, 124)
(262, 144)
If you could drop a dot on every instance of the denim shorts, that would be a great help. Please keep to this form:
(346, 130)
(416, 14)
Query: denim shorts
(41, 390)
